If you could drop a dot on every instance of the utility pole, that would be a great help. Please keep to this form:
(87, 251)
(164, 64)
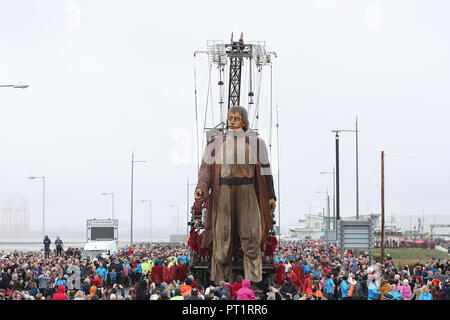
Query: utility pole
(337, 171)
(131, 211)
(357, 170)
(187, 208)
(336, 222)
(382, 205)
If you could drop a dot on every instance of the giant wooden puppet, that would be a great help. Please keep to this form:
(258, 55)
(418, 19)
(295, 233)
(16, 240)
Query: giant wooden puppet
(236, 179)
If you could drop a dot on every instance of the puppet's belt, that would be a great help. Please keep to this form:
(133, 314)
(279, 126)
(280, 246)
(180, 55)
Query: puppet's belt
(236, 181)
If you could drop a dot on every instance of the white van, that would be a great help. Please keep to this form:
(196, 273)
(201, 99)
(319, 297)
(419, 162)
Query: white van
(93, 249)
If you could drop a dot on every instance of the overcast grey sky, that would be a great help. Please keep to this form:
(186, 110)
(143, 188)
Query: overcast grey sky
(109, 77)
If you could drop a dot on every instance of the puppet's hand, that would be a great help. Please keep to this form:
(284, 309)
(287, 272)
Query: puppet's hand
(198, 196)
(272, 204)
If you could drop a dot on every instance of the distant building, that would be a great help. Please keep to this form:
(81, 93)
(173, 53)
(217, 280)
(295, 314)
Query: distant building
(313, 226)
(375, 217)
(14, 220)
(309, 228)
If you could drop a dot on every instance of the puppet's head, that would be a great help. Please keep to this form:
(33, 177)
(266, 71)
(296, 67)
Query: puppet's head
(237, 119)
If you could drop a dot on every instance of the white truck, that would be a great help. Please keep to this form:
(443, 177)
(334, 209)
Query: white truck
(94, 249)
(101, 238)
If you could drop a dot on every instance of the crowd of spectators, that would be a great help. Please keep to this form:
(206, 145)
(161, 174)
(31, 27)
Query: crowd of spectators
(303, 270)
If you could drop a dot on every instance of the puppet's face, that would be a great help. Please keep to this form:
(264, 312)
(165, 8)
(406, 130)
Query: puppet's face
(235, 121)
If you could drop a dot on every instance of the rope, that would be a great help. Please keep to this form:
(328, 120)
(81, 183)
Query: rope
(221, 90)
(257, 100)
(271, 111)
(207, 103)
(278, 157)
(211, 101)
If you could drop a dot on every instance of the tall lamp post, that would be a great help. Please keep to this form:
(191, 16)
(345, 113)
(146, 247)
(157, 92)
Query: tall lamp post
(178, 216)
(337, 131)
(150, 205)
(132, 176)
(43, 201)
(112, 196)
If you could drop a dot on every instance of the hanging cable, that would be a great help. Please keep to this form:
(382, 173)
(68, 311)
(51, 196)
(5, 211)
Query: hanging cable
(250, 86)
(278, 155)
(271, 110)
(207, 103)
(256, 116)
(221, 93)
(212, 104)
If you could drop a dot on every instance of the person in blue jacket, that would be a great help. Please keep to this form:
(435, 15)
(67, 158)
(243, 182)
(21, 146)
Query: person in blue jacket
(330, 286)
(395, 293)
(306, 269)
(102, 271)
(61, 281)
(425, 295)
(373, 293)
(344, 288)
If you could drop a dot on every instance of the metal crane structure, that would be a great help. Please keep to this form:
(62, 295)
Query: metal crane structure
(235, 56)
(233, 61)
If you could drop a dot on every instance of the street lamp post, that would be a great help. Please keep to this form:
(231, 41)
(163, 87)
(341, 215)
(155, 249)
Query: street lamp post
(112, 196)
(43, 201)
(337, 169)
(178, 216)
(132, 176)
(150, 205)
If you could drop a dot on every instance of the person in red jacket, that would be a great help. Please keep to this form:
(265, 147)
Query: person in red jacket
(194, 283)
(60, 294)
(166, 274)
(157, 273)
(293, 276)
(238, 284)
(172, 272)
(281, 274)
(300, 275)
(177, 273)
(183, 271)
(308, 284)
(232, 292)
(97, 280)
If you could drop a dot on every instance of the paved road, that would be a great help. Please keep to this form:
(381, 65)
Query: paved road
(441, 249)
